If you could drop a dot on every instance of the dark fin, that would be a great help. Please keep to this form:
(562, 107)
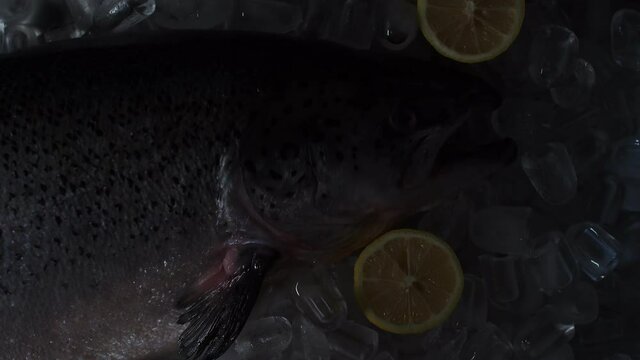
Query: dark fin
(219, 312)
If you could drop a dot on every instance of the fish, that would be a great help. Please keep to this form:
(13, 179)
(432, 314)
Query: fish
(150, 183)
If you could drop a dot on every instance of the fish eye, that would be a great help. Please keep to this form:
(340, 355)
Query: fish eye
(403, 118)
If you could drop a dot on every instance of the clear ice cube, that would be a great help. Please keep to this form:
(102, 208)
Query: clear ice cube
(473, 305)
(487, 343)
(523, 119)
(19, 37)
(192, 14)
(264, 338)
(625, 164)
(317, 296)
(82, 12)
(353, 341)
(588, 151)
(11, 10)
(576, 304)
(606, 328)
(542, 333)
(619, 357)
(121, 15)
(625, 38)
(551, 263)
(552, 51)
(510, 284)
(564, 352)
(309, 342)
(449, 221)
(502, 229)
(500, 273)
(351, 23)
(446, 343)
(594, 249)
(384, 355)
(272, 16)
(574, 91)
(551, 172)
(630, 242)
(274, 299)
(397, 24)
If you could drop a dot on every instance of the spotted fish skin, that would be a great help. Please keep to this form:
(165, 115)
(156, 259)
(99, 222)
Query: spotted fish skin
(127, 168)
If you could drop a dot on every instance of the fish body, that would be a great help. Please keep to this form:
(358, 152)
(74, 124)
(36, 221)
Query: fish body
(135, 174)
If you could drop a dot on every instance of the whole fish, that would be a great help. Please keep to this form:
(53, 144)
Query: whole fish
(149, 184)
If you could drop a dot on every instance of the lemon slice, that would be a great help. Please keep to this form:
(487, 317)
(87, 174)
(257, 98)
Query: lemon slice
(471, 31)
(407, 281)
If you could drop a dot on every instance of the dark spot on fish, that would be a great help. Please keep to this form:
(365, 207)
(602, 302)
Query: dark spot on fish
(275, 175)
(339, 156)
(289, 151)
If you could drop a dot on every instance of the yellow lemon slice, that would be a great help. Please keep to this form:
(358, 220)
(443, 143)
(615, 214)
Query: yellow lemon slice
(407, 281)
(471, 31)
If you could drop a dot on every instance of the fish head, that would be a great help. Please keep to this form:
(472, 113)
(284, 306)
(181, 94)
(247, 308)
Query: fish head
(337, 163)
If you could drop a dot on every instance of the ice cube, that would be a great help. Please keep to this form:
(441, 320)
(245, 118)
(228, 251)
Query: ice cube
(564, 352)
(552, 51)
(625, 164)
(551, 172)
(264, 338)
(487, 343)
(120, 15)
(43, 14)
(551, 263)
(525, 120)
(500, 273)
(353, 341)
(542, 333)
(82, 12)
(192, 14)
(449, 221)
(606, 328)
(588, 150)
(70, 31)
(342, 272)
(574, 90)
(619, 357)
(611, 200)
(630, 242)
(272, 16)
(351, 23)
(473, 306)
(510, 284)
(309, 342)
(502, 229)
(446, 343)
(18, 37)
(274, 299)
(317, 296)
(594, 249)
(11, 10)
(625, 38)
(397, 24)
(576, 304)
(383, 356)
